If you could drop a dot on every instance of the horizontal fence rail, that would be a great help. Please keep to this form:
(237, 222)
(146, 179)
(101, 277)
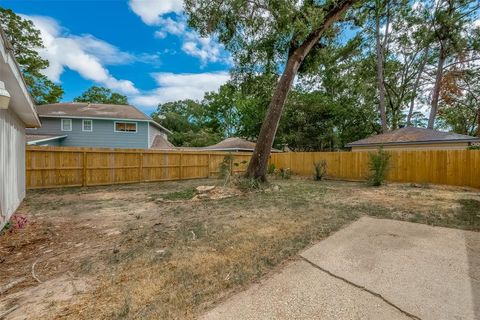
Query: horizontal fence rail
(51, 167)
(450, 167)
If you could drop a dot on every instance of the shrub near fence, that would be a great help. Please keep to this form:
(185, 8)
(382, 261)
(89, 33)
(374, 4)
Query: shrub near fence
(450, 167)
(49, 167)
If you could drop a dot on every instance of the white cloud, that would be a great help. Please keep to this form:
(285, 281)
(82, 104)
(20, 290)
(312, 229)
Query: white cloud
(173, 86)
(476, 23)
(153, 13)
(84, 54)
(170, 26)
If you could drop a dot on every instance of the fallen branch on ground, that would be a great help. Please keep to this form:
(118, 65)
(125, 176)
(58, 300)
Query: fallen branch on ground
(10, 285)
(6, 313)
(33, 272)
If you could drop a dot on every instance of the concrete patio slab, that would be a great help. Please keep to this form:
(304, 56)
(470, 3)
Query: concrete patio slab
(301, 291)
(372, 269)
(430, 272)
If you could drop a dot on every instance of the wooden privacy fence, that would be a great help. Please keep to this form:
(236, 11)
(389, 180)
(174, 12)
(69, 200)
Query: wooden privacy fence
(49, 167)
(451, 167)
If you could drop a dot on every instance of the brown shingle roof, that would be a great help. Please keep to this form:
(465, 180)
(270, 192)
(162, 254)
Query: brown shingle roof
(412, 135)
(91, 110)
(234, 144)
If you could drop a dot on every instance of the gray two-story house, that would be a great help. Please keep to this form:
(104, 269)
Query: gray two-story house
(96, 125)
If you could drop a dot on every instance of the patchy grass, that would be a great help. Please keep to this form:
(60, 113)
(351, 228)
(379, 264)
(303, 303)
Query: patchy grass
(185, 194)
(154, 260)
(469, 212)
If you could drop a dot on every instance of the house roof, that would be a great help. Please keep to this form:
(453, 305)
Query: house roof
(234, 144)
(411, 135)
(159, 142)
(94, 111)
(36, 138)
(21, 103)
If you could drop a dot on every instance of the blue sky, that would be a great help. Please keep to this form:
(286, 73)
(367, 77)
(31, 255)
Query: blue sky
(141, 48)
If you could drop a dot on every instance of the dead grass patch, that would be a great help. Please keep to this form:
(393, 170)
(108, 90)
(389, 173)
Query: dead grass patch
(151, 260)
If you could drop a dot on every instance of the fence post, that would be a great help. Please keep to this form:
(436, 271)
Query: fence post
(208, 168)
(84, 171)
(181, 166)
(140, 175)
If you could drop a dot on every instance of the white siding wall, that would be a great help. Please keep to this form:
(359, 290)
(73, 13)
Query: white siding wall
(12, 164)
(154, 131)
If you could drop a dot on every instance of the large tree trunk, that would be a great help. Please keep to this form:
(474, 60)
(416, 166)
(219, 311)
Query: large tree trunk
(415, 87)
(380, 70)
(437, 88)
(257, 167)
(478, 122)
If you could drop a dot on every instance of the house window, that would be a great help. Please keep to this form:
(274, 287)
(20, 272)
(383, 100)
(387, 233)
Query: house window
(87, 125)
(66, 124)
(125, 126)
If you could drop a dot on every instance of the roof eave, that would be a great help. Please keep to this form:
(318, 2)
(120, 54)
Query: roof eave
(158, 125)
(26, 109)
(33, 142)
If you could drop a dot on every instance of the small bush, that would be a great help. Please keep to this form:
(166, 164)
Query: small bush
(473, 148)
(226, 167)
(248, 184)
(17, 221)
(379, 164)
(320, 169)
(285, 173)
(271, 169)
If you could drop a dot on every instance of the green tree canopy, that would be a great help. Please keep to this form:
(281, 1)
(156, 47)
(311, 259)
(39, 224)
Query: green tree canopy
(25, 40)
(190, 123)
(97, 94)
(264, 36)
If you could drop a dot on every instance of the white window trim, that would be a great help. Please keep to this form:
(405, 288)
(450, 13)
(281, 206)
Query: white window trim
(115, 126)
(71, 124)
(83, 125)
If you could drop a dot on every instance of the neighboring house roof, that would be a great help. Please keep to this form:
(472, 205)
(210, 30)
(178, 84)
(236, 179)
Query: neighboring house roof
(229, 144)
(412, 135)
(21, 102)
(33, 139)
(161, 143)
(234, 144)
(94, 111)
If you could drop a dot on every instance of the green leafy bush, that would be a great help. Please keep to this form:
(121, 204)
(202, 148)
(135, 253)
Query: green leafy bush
(226, 167)
(379, 164)
(473, 148)
(285, 173)
(247, 184)
(271, 169)
(320, 169)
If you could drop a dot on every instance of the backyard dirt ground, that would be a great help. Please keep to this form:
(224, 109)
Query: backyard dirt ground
(142, 251)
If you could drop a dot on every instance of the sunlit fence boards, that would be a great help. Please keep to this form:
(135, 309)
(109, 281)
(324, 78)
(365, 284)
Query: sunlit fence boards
(49, 167)
(450, 167)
